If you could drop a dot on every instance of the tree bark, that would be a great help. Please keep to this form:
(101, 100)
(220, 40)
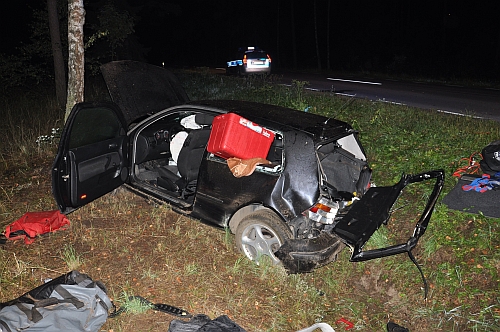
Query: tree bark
(55, 39)
(277, 35)
(76, 56)
(294, 42)
(316, 36)
(328, 36)
(496, 63)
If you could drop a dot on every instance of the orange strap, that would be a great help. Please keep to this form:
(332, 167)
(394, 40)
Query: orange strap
(472, 167)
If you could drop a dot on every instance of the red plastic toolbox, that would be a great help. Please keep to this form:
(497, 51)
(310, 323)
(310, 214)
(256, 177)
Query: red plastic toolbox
(235, 136)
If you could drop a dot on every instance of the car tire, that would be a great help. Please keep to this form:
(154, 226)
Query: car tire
(261, 234)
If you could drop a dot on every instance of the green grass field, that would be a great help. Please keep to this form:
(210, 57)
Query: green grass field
(138, 248)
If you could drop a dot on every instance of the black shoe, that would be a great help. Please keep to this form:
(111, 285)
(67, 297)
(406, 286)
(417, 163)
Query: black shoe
(393, 327)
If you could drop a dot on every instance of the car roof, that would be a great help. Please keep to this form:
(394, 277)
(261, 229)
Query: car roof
(320, 128)
(142, 89)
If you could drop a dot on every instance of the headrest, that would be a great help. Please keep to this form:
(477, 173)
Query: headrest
(204, 119)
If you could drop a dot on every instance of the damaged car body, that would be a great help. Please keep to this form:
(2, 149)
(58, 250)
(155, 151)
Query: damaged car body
(311, 200)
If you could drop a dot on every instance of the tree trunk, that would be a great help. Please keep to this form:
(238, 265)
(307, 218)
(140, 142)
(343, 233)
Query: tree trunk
(496, 63)
(76, 58)
(277, 35)
(316, 36)
(328, 36)
(444, 31)
(55, 39)
(294, 42)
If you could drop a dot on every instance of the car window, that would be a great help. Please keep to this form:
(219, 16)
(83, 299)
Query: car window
(256, 55)
(93, 125)
(275, 156)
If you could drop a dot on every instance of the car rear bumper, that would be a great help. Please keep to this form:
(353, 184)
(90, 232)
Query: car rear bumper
(304, 255)
(258, 70)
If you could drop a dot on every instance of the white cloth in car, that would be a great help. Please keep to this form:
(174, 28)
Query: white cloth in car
(190, 122)
(177, 143)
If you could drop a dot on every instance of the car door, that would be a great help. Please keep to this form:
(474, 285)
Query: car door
(92, 158)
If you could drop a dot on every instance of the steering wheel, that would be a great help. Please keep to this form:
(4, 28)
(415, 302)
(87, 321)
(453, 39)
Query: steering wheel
(174, 130)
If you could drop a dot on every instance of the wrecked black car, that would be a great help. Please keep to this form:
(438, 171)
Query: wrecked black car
(306, 199)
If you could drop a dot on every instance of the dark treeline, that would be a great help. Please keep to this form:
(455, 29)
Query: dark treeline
(453, 39)
(426, 37)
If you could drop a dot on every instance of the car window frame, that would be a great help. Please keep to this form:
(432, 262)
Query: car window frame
(273, 169)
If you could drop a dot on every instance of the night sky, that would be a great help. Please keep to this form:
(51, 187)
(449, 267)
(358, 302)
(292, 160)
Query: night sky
(419, 37)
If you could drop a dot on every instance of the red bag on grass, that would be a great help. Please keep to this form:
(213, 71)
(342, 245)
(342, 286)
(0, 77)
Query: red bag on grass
(32, 224)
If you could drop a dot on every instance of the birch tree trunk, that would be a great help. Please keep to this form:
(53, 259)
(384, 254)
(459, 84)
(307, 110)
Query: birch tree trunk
(76, 56)
(55, 39)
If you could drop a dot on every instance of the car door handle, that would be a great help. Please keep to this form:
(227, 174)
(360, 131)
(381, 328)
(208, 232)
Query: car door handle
(112, 146)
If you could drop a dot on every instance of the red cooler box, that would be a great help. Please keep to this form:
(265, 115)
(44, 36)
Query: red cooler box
(235, 136)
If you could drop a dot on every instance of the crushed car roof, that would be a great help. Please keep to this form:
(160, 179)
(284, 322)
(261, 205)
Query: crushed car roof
(141, 89)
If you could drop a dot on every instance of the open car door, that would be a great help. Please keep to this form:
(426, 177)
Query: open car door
(92, 158)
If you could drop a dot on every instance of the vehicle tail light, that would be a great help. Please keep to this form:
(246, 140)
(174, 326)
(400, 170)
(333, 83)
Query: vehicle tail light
(269, 58)
(324, 211)
(245, 59)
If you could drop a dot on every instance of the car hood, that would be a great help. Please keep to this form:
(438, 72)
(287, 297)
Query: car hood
(141, 89)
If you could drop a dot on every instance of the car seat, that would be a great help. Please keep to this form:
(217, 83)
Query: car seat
(189, 159)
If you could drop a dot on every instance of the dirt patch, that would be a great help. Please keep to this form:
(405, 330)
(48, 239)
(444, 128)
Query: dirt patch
(373, 283)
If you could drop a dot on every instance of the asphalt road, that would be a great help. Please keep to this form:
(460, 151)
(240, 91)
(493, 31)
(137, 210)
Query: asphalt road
(479, 102)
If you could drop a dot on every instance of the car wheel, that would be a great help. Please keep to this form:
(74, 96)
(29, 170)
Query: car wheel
(261, 234)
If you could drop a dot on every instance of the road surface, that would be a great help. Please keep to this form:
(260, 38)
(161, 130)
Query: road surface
(479, 102)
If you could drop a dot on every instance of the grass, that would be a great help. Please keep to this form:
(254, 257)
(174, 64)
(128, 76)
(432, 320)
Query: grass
(138, 248)
(133, 305)
(72, 259)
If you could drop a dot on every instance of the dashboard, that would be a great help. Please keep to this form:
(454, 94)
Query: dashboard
(153, 142)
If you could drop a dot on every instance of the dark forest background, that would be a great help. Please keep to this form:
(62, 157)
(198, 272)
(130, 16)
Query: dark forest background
(440, 39)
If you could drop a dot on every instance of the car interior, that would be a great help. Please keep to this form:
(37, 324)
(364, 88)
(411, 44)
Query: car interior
(168, 153)
(341, 167)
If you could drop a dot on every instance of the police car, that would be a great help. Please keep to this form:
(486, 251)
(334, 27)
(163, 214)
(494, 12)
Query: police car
(249, 60)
